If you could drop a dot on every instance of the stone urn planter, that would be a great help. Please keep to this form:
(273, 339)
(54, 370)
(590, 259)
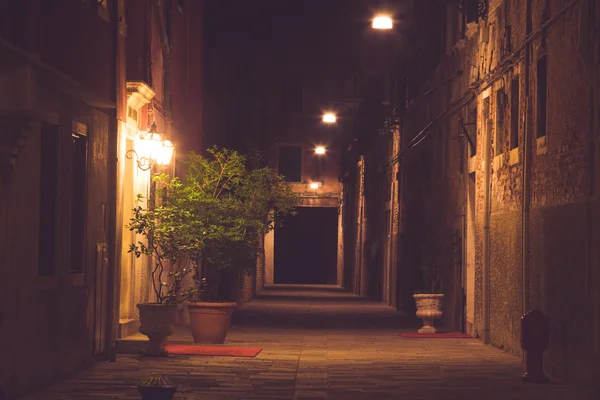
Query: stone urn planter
(157, 387)
(210, 321)
(157, 322)
(429, 308)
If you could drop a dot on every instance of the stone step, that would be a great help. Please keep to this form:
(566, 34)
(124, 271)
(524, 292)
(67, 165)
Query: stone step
(132, 344)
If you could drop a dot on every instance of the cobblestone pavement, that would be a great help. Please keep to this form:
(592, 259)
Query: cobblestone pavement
(322, 343)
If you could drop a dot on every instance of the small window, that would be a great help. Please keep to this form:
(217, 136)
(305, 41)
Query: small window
(290, 163)
(132, 113)
(472, 124)
(514, 113)
(50, 135)
(500, 115)
(78, 200)
(542, 96)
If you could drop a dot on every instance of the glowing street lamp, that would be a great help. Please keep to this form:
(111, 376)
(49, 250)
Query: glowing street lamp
(320, 150)
(383, 22)
(329, 118)
(151, 149)
(316, 185)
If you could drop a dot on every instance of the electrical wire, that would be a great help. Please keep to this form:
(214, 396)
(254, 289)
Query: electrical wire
(480, 85)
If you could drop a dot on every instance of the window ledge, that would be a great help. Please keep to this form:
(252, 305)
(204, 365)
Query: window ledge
(514, 157)
(139, 94)
(499, 161)
(472, 164)
(541, 145)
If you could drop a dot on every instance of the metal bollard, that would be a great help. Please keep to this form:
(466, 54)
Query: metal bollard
(535, 338)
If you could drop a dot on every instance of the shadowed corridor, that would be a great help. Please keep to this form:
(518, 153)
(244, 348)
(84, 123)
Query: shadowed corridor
(306, 247)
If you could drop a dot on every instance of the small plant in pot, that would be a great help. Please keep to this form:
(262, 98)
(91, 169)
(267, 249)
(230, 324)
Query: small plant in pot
(157, 387)
(227, 206)
(429, 300)
(434, 256)
(169, 265)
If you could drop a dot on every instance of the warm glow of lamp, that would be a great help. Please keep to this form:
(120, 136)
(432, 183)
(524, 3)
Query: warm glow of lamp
(315, 185)
(149, 143)
(320, 150)
(329, 118)
(165, 153)
(382, 22)
(151, 148)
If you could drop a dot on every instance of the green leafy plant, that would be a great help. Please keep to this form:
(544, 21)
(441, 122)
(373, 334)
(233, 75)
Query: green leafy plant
(213, 218)
(439, 255)
(169, 263)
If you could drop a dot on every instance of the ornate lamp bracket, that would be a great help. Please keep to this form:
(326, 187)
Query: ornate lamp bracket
(472, 9)
(143, 163)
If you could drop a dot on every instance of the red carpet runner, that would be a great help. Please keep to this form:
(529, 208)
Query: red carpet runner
(197, 350)
(447, 335)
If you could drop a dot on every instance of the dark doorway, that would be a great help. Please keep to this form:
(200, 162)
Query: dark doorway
(306, 247)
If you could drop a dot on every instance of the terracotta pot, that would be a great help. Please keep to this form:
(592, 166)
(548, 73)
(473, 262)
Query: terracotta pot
(210, 321)
(157, 322)
(429, 308)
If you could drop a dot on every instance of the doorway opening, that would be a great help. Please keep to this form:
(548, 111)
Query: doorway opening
(306, 247)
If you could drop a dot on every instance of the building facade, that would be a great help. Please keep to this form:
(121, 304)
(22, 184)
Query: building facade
(59, 111)
(164, 87)
(497, 176)
(71, 106)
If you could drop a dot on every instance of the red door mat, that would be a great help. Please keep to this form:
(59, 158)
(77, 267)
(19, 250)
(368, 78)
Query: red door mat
(439, 335)
(196, 350)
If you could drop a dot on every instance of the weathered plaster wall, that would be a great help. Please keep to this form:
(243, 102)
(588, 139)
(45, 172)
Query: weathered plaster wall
(562, 263)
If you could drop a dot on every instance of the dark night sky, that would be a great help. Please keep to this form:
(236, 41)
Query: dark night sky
(305, 38)
(272, 24)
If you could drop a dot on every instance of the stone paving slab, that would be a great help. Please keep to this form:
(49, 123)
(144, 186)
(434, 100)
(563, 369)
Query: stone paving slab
(315, 347)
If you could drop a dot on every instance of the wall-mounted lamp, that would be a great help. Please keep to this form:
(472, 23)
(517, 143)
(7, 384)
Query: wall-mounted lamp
(151, 149)
(329, 118)
(320, 150)
(315, 185)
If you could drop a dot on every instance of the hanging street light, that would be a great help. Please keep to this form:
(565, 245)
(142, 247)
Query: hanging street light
(383, 22)
(329, 118)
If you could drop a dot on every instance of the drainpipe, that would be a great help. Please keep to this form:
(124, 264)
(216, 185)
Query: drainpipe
(525, 207)
(113, 186)
(464, 233)
(486, 233)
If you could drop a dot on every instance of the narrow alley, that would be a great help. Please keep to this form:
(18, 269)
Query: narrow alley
(320, 342)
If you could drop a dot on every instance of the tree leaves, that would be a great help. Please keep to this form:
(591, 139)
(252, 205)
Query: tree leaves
(214, 216)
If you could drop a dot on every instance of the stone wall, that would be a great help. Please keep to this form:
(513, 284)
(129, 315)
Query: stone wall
(560, 267)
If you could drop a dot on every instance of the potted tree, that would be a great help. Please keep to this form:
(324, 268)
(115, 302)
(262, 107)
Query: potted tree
(227, 206)
(433, 259)
(429, 301)
(169, 263)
